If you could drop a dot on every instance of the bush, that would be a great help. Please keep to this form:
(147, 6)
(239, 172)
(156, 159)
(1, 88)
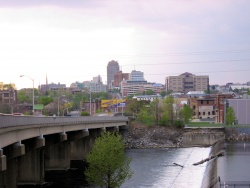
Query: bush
(179, 123)
(85, 114)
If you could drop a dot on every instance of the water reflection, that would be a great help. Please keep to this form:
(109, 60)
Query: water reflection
(234, 166)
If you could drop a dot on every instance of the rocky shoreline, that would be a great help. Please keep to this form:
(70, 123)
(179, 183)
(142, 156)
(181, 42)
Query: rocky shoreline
(141, 136)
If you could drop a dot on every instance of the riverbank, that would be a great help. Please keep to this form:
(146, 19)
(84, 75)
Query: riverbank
(142, 136)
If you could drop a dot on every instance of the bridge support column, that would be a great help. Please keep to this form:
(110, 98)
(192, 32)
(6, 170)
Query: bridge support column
(63, 137)
(3, 165)
(113, 129)
(57, 157)
(17, 150)
(31, 168)
(81, 147)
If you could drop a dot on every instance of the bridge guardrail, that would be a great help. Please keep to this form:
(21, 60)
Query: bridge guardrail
(11, 121)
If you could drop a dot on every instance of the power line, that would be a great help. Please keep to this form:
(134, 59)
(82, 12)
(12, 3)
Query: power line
(195, 62)
(202, 72)
(184, 54)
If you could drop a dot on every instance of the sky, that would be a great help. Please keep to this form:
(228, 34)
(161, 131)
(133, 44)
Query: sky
(74, 40)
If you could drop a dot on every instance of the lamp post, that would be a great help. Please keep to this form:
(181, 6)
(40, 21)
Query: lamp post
(33, 98)
(58, 112)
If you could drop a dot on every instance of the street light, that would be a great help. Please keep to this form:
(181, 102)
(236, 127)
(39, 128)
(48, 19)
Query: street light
(33, 101)
(58, 112)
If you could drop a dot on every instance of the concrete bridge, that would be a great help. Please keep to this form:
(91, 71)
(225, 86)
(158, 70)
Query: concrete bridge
(31, 147)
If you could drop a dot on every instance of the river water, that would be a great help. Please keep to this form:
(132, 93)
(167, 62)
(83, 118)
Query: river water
(233, 168)
(155, 167)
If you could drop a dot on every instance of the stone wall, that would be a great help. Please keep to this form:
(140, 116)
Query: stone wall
(202, 137)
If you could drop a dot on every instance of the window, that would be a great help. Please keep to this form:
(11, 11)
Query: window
(194, 107)
(207, 102)
(204, 113)
(212, 112)
(6, 94)
(208, 113)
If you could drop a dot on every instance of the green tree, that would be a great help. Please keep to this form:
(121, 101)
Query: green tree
(168, 111)
(230, 116)
(248, 92)
(22, 96)
(45, 100)
(163, 94)
(136, 106)
(186, 113)
(149, 92)
(108, 164)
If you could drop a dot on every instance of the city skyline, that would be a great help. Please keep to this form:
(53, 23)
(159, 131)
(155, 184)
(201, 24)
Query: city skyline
(74, 41)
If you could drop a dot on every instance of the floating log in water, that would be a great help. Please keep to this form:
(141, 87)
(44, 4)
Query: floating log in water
(178, 165)
(210, 158)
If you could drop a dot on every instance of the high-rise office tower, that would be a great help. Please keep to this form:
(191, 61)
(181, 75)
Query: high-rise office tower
(112, 68)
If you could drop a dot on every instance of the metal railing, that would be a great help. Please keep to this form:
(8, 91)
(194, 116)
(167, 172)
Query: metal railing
(12, 121)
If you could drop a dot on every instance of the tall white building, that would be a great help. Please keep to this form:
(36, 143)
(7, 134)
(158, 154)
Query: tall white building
(137, 76)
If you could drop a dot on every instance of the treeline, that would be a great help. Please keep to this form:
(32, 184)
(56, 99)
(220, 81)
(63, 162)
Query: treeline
(163, 112)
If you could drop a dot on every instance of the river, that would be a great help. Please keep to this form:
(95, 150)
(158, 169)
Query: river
(155, 167)
(233, 168)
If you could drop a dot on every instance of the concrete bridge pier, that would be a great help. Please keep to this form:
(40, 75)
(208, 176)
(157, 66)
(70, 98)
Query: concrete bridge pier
(113, 129)
(3, 164)
(57, 157)
(31, 168)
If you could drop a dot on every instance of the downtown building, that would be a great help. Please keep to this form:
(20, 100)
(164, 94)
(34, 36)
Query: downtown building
(129, 87)
(187, 82)
(112, 68)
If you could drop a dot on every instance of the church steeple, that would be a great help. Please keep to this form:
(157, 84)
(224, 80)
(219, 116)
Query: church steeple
(46, 80)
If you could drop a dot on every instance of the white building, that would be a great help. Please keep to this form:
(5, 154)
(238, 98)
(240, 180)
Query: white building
(137, 76)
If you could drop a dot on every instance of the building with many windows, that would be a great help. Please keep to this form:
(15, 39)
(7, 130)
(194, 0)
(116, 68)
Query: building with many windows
(133, 87)
(118, 77)
(187, 82)
(112, 68)
(137, 76)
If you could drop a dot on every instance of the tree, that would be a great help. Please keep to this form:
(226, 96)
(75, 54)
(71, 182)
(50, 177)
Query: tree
(23, 97)
(168, 111)
(108, 164)
(136, 106)
(149, 92)
(45, 100)
(230, 116)
(186, 113)
(163, 94)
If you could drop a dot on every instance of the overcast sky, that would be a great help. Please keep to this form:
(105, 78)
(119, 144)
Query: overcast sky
(74, 40)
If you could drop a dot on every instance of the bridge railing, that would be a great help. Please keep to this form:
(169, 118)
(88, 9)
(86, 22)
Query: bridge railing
(11, 121)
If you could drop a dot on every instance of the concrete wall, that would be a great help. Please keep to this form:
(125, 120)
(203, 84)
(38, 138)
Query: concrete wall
(210, 177)
(202, 137)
